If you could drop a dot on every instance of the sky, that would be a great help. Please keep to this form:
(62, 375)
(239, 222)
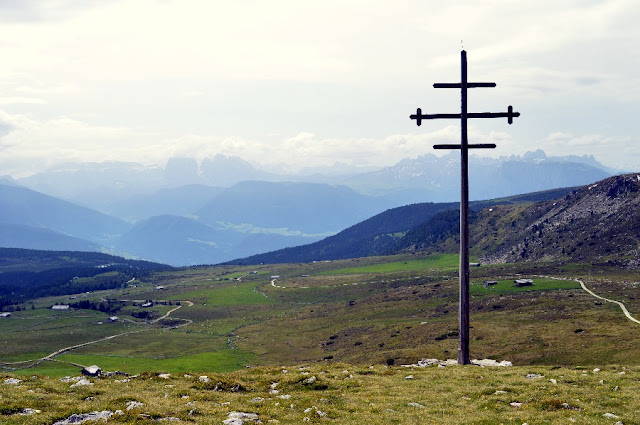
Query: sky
(287, 84)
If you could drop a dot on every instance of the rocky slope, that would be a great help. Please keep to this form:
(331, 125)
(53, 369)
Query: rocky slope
(599, 222)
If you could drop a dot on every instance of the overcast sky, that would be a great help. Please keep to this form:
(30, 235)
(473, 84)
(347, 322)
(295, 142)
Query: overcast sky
(286, 84)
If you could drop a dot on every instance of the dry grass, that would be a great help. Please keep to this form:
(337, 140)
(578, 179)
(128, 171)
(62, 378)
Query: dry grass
(343, 394)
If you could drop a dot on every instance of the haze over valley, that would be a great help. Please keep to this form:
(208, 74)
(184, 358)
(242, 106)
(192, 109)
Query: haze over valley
(221, 209)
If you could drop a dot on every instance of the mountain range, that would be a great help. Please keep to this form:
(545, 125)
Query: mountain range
(596, 222)
(210, 212)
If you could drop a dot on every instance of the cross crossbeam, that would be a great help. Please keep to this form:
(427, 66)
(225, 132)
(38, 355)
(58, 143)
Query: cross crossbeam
(510, 115)
(464, 146)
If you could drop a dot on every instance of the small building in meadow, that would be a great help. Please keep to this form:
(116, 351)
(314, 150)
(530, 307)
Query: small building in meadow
(92, 370)
(523, 282)
(7, 314)
(60, 307)
(113, 319)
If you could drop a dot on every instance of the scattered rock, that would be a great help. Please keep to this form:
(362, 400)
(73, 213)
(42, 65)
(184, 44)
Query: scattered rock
(500, 392)
(596, 370)
(553, 381)
(115, 373)
(285, 396)
(82, 383)
(134, 405)
(241, 418)
(310, 380)
(317, 411)
(408, 377)
(534, 376)
(204, 378)
(12, 381)
(164, 375)
(611, 416)
(515, 404)
(414, 404)
(453, 362)
(84, 417)
(67, 379)
(29, 411)
(491, 363)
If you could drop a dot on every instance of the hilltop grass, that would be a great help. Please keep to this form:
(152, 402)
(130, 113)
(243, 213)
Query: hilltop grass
(343, 394)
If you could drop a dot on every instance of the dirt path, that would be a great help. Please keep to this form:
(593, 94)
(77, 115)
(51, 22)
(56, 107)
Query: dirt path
(107, 338)
(622, 306)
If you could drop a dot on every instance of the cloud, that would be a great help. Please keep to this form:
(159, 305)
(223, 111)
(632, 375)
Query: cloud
(36, 10)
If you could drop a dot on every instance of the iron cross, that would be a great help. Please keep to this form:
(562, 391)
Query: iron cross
(464, 146)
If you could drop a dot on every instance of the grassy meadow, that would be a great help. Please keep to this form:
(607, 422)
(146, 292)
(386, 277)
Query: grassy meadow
(239, 323)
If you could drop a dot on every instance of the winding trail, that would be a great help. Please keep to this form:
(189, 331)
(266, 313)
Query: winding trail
(622, 306)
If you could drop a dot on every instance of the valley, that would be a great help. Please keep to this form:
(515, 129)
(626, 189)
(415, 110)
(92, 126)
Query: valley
(543, 297)
(384, 310)
(245, 325)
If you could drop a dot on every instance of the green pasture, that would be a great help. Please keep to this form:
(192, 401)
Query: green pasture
(432, 262)
(228, 295)
(507, 286)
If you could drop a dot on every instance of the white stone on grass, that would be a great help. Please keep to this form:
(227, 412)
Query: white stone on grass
(241, 418)
(134, 405)
(82, 383)
(534, 376)
(84, 417)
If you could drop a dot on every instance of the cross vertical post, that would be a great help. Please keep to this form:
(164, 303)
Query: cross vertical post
(463, 320)
(464, 146)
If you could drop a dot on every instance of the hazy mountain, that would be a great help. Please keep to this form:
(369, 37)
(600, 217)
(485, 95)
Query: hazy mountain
(426, 178)
(26, 207)
(181, 172)
(183, 241)
(226, 171)
(298, 207)
(28, 237)
(96, 184)
(391, 231)
(183, 201)
(437, 178)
